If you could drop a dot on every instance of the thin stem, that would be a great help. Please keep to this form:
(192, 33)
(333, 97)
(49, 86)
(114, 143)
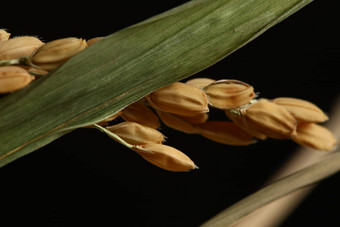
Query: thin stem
(113, 136)
(286, 185)
(18, 61)
(9, 62)
(238, 110)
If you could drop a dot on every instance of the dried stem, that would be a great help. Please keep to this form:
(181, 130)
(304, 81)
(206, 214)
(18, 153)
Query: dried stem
(291, 183)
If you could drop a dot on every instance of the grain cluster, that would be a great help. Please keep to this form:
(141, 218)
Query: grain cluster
(183, 106)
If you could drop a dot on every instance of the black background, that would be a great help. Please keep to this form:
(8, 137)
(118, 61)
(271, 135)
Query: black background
(86, 178)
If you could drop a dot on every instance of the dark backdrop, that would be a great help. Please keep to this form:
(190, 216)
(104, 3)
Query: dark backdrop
(86, 178)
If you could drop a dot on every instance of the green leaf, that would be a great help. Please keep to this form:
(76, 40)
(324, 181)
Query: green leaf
(130, 64)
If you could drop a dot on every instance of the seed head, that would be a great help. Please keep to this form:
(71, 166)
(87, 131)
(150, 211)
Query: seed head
(177, 123)
(53, 54)
(138, 112)
(13, 78)
(228, 94)
(225, 132)
(165, 157)
(302, 110)
(314, 136)
(4, 35)
(241, 122)
(196, 119)
(179, 98)
(19, 47)
(200, 82)
(270, 119)
(93, 40)
(136, 134)
(36, 71)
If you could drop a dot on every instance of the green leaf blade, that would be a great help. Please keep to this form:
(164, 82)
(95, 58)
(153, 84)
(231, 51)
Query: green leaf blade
(130, 64)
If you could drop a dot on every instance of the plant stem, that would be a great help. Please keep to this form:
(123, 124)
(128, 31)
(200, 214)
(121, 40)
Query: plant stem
(9, 62)
(113, 136)
(280, 188)
(18, 61)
